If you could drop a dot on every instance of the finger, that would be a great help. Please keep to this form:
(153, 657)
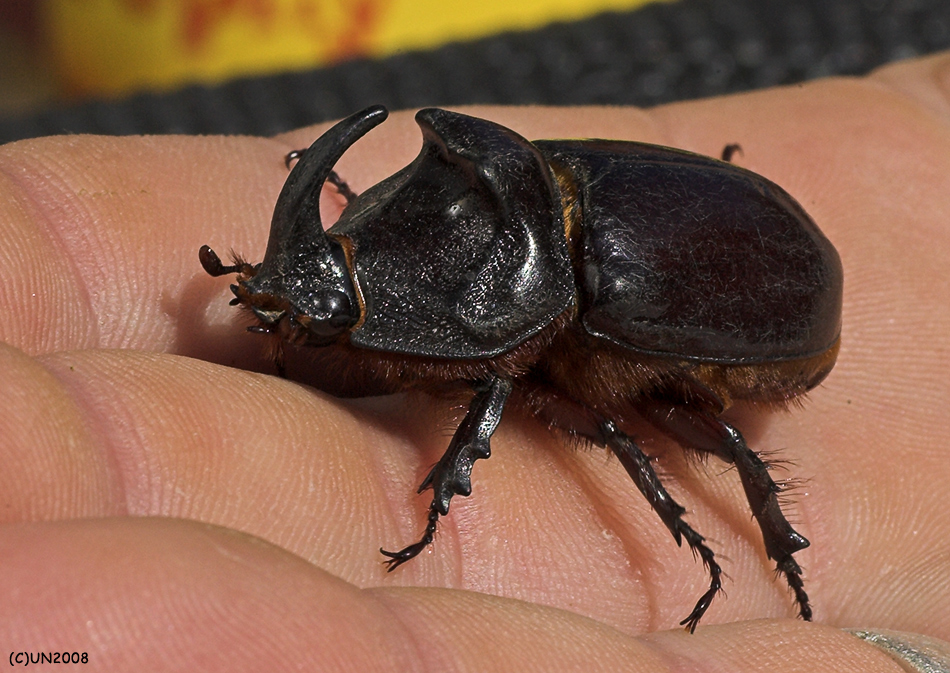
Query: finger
(332, 481)
(153, 594)
(100, 233)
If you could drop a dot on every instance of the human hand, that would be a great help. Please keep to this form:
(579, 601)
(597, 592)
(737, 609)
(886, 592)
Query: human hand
(165, 505)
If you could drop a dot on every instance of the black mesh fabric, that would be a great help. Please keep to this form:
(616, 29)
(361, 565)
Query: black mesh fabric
(660, 53)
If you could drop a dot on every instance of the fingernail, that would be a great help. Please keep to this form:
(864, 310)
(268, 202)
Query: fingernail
(914, 652)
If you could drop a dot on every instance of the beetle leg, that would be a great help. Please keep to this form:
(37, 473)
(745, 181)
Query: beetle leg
(639, 467)
(730, 151)
(452, 475)
(333, 178)
(291, 155)
(703, 431)
(341, 186)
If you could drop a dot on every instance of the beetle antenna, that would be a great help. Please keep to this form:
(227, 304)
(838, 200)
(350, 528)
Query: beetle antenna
(213, 265)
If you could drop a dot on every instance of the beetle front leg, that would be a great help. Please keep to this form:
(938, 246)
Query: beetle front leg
(333, 178)
(639, 467)
(452, 475)
(702, 430)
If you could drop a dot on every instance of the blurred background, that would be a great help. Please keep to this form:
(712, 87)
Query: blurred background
(265, 66)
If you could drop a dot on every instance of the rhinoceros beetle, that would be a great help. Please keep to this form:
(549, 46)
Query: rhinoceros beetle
(584, 281)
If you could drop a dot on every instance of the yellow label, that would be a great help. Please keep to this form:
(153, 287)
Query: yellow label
(115, 46)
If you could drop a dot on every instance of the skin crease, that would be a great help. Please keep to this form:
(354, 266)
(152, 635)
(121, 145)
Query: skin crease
(164, 507)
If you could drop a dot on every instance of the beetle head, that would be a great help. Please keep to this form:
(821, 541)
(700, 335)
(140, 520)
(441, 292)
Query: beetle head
(302, 290)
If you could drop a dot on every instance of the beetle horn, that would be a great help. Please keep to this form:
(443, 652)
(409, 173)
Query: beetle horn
(296, 223)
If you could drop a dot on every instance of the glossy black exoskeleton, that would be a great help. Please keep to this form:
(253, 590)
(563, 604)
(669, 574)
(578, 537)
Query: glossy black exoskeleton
(585, 281)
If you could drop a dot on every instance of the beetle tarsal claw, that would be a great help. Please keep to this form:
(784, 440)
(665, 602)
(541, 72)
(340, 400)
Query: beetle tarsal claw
(793, 575)
(397, 558)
